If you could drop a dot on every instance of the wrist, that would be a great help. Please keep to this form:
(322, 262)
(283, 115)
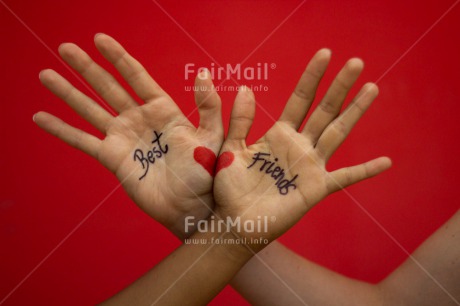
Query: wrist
(252, 233)
(186, 225)
(234, 248)
(212, 232)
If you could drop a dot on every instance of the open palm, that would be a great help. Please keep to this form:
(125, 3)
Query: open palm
(284, 173)
(149, 147)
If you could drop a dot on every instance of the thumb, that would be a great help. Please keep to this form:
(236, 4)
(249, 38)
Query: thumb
(208, 102)
(242, 116)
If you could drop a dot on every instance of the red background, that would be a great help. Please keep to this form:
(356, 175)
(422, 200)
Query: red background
(48, 188)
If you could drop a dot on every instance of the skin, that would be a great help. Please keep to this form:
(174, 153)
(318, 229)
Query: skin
(278, 276)
(185, 275)
(193, 274)
(179, 186)
(303, 153)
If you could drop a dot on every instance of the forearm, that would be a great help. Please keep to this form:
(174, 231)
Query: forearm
(278, 276)
(193, 274)
(431, 276)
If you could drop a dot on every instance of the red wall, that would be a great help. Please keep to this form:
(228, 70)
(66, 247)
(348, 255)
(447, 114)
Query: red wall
(48, 188)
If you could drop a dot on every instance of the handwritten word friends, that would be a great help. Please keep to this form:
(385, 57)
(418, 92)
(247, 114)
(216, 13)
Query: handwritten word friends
(276, 172)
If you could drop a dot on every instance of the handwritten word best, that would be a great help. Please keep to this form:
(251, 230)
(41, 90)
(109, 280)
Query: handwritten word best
(276, 172)
(150, 156)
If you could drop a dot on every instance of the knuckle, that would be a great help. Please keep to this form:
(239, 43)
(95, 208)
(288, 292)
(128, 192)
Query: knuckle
(85, 65)
(339, 126)
(313, 73)
(302, 94)
(77, 139)
(68, 93)
(135, 75)
(358, 104)
(107, 87)
(366, 170)
(342, 83)
(348, 174)
(328, 107)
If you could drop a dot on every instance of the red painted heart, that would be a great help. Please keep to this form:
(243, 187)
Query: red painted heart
(206, 158)
(225, 159)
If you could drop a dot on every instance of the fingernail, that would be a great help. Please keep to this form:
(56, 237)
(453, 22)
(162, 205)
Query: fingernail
(33, 117)
(204, 74)
(97, 34)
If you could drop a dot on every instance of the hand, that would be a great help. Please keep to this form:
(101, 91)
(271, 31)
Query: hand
(284, 173)
(151, 148)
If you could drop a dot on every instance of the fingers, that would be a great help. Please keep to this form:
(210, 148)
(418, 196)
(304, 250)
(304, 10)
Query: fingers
(83, 105)
(332, 102)
(131, 70)
(345, 177)
(337, 131)
(209, 103)
(72, 136)
(242, 116)
(102, 81)
(304, 93)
